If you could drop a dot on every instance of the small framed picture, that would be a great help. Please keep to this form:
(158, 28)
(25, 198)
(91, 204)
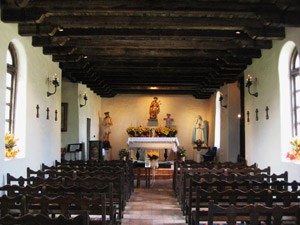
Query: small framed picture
(95, 151)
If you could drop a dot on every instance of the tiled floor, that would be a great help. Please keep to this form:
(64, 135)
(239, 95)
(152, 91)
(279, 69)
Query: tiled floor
(156, 205)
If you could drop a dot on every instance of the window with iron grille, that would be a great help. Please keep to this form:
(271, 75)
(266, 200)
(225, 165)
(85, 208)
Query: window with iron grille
(295, 87)
(10, 92)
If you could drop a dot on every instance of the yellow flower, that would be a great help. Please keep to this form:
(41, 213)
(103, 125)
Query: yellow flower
(10, 140)
(295, 142)
(153, 155)
(294, 154)
(11, 153)
(10, 143)
(166, 132)
(138, 131)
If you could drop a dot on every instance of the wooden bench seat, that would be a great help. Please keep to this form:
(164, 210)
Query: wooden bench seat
(253, 214)
(267, 197)
(29, 219)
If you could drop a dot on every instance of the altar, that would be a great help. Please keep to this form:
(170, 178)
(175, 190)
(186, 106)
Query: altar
(153, 143)
(164, 145)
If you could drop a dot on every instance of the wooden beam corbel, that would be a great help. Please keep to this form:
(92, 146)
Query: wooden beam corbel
(19, 3)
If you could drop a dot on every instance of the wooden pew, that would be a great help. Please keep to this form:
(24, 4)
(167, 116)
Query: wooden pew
(29, 219)
(49, 173)
(183, 182)
(12, 205)
(191, 181)
(77, 192)
(267, 197)
(15, 190)
(254, 214)
(72, 206)
(221, 185)
(34, 181)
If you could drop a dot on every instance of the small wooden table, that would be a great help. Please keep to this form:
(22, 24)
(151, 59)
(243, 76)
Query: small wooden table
(147, 177)
(137, 168)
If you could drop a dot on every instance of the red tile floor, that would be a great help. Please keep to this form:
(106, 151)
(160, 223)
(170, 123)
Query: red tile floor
(156, 205)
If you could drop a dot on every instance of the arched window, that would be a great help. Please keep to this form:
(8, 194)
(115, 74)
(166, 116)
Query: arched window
(295, 93)
(11, 80)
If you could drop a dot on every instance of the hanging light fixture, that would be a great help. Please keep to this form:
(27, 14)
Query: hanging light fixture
(85, 99)
(221, 99)
(249, 83)
(55, 83)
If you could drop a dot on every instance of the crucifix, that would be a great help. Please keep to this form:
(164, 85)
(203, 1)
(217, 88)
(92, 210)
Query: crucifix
(267, 113)
(168, 120)
(256, 114)
(37, 111)
(55, 118)
(47, 113)
(248, 116)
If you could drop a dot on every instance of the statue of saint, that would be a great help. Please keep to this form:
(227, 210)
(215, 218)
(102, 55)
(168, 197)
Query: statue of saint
(200, 131)
(107, 122)
(154, 109)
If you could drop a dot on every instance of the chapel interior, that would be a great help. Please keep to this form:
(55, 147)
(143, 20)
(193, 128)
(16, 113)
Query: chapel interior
(196, 82)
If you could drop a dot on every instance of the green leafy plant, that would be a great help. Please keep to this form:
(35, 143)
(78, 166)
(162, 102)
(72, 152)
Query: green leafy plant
(181, 152)
(123, 153)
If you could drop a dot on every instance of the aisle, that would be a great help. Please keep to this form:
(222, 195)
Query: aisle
(156, 205)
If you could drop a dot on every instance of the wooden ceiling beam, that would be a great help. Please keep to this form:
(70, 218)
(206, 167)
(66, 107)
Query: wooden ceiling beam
(266, 33)
(96, 54)
(188, 5)
(113, 65)
(181, 23)
(151, 43)
(146, 62)
(118, 46)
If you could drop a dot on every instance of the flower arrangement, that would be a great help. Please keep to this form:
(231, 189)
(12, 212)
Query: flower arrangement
(10, 146)
(123, 153)
(153, 155)
(131, 131)
(138, 131)
(294, 154)
(181, 152)
(166, 132)
(199, 143)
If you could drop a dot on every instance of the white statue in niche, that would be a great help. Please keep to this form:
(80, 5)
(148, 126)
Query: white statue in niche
(200, 131)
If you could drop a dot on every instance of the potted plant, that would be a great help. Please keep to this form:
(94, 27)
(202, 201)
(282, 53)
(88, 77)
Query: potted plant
(124, 154)
(181, 152)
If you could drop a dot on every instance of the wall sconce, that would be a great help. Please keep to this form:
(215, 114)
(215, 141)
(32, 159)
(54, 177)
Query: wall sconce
(221, 99)
(55, 83)
(249, 83)
(85, 99)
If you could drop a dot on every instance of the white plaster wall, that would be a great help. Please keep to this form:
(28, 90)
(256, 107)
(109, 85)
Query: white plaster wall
(91, 110)
(69, 95)
(230, 123)
(263, 139)
(233, 129)
(132, 110)
(41, 136)
(72, 94)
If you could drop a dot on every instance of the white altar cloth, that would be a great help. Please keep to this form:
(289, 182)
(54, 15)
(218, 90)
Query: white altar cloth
(153, 143)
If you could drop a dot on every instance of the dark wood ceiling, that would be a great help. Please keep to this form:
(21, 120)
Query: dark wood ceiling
(190, 47)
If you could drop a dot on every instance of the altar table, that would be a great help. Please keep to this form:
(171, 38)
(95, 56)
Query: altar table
(153, 143)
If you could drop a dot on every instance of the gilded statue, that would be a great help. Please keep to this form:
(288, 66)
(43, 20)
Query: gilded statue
(154, 108)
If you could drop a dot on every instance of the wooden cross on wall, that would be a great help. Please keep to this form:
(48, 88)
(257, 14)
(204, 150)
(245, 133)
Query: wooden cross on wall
(168, 120)
(47, 110)
(37, 111)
